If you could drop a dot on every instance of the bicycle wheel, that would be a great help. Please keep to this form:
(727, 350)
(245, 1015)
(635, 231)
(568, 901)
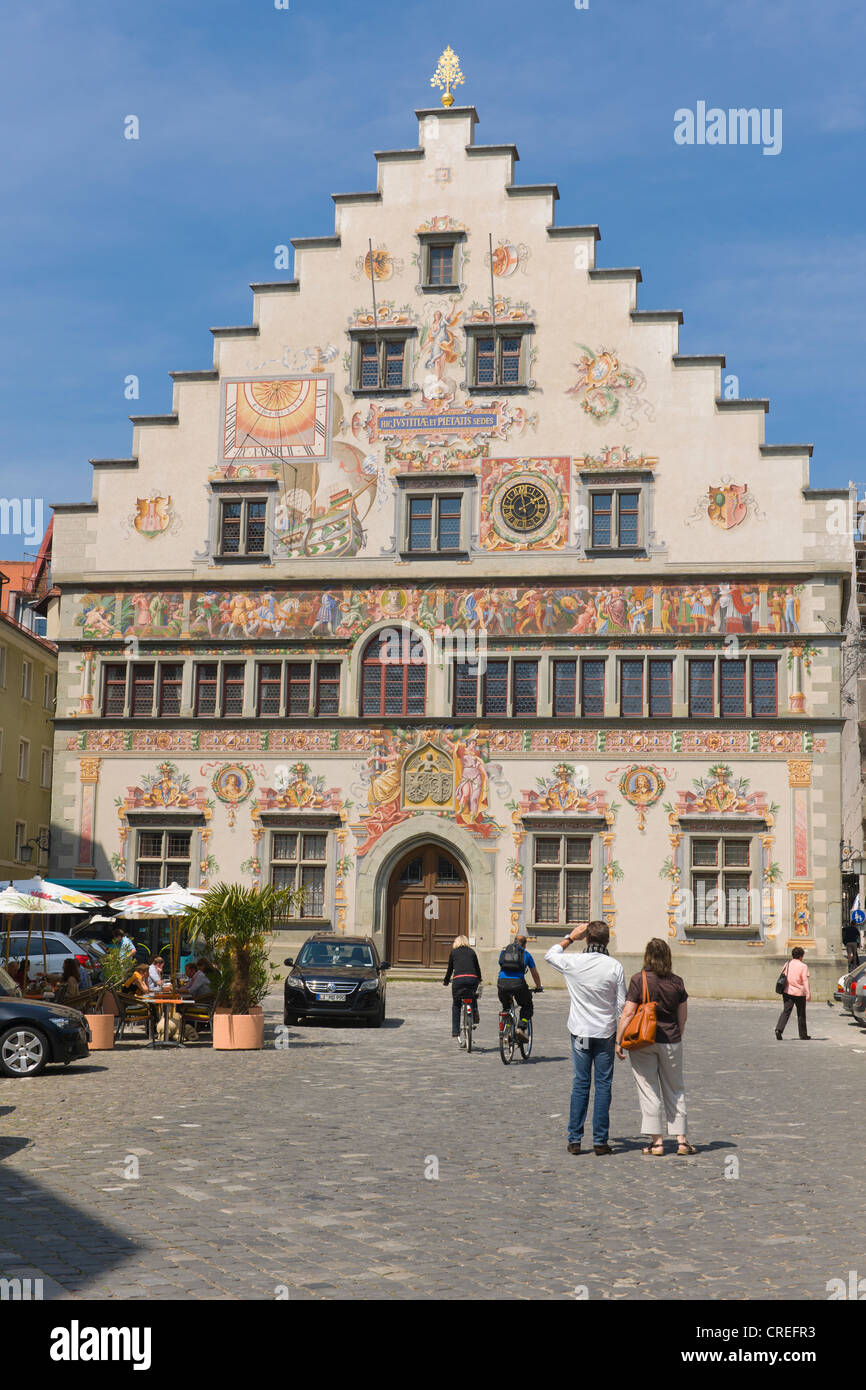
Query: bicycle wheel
(526, 1047)
(462, 1035)
(467, 1014)
(506, 1039)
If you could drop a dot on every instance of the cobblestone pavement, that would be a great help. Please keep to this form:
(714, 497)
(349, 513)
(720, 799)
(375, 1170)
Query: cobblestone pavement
(300, 1172)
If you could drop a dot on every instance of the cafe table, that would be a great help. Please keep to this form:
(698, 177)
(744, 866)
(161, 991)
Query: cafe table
(157, 1000)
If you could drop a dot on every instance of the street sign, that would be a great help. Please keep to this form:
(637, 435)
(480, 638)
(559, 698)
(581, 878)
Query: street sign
(858, 917)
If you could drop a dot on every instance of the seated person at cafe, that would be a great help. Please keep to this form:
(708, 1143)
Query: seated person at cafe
(200, 986)
(70, 981)
(137, 981)
(15, 968)
(154, 972)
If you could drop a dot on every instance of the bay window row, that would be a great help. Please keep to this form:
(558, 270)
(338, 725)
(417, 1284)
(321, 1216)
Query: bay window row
(503, 687)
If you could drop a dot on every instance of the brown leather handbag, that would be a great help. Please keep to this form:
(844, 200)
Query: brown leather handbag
(641, 1028)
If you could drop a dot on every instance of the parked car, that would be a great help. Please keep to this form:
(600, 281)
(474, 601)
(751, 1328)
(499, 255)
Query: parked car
(32, 1034)
(342, 978)
(846, 988)
(858, 999)
(58, 948)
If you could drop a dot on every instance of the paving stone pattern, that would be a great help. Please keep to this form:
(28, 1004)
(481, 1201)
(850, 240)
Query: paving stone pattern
(301, 1171)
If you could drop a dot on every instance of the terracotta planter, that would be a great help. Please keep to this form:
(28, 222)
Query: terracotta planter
(102, 1031)
(238, 1032)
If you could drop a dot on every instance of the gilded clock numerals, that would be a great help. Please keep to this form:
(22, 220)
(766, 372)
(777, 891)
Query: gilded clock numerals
(525, 507)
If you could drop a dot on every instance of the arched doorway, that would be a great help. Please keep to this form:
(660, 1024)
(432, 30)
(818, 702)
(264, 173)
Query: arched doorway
(428, 900)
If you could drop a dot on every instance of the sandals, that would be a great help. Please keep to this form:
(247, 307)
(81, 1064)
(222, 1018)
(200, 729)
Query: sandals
(654, 1150)
(685, 1150)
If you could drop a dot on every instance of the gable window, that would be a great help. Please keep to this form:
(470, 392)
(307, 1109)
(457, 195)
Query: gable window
(114, 689)
(614, 519)
(498, 358)
(721, 882)
(163, 857)
(392, 683)
(381, 363)
(298, 861)
(562, 879)
(440, 263)
(433, 524)
(242, 526)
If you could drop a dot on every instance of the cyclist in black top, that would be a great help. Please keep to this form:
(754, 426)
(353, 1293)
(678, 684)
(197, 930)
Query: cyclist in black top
(464, 976)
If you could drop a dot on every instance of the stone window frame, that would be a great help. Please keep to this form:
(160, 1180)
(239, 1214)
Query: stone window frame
(405, 333)
(166, 822)
(589, 481)
(408, 485)
(539, 824)
(755, 829)
(456, 238)
(237, 489)
(524, 329)
(287, 822)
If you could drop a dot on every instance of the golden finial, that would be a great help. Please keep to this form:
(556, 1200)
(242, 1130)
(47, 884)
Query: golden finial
(447, 75)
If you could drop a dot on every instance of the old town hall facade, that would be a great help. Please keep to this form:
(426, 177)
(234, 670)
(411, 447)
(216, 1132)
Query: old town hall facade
(455, 594)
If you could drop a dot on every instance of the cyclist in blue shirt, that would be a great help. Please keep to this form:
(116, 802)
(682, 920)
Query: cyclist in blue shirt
(514, 961)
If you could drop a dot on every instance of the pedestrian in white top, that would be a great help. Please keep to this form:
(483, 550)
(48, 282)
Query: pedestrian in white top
(596, 986)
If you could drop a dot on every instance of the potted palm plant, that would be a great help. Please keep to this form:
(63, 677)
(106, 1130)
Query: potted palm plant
(234, 923)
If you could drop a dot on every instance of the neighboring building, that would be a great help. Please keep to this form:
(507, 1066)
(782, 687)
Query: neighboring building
(269, 614)
(28, 678)
(24, 598)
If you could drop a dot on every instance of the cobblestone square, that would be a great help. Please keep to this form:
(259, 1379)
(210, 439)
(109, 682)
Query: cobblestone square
(306, 1171)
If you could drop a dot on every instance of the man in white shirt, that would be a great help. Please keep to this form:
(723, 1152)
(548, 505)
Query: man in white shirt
(596, 985)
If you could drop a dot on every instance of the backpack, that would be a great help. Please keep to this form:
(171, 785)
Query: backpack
(513, 958)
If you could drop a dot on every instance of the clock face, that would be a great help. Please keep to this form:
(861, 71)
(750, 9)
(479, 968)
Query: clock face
(524, 506)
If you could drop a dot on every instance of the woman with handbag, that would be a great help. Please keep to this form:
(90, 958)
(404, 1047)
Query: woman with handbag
(651, 1029)
(794, 982)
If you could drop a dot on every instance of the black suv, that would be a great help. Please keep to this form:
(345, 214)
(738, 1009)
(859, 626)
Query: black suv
(32, 1034)
(336, 977)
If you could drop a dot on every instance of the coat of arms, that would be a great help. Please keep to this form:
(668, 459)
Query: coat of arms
(727, 505)
(152, 515)
(428, 778)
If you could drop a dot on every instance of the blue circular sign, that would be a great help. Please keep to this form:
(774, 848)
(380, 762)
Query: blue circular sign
(858, 917)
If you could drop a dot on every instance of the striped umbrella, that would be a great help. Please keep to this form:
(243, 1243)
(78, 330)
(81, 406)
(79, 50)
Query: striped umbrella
(172, 903)
(14, 903)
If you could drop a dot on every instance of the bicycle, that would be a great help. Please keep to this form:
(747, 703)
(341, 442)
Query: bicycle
(467, 1024)
(509, 1022)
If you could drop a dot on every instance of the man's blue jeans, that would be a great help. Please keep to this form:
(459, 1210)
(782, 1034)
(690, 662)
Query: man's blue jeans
(587, 1053)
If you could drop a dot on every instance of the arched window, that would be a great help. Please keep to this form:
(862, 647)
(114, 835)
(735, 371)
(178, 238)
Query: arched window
(394, 674)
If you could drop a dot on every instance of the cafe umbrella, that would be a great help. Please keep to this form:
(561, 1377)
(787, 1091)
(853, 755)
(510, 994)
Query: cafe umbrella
(172, 903)
(14, 903)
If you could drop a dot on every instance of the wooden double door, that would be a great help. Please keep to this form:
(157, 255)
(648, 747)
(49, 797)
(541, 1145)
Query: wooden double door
(428, 902)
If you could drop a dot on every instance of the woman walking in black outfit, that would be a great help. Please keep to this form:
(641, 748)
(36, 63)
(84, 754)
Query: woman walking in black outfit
(464, 976)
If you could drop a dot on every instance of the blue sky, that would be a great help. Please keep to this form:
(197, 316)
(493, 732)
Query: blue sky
(119, 255)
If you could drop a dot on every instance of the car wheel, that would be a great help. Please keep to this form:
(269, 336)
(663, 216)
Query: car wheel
(378, 1019)
(23, 1051)
(291, 1020)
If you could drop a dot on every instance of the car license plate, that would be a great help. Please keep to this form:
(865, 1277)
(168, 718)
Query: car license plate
(329, 998)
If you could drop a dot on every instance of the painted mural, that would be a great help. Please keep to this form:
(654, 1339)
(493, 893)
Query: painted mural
(438, 349)
(450, 459)
(525, 503)
(504, 610)
(388, 315)
(565, 790)
(503, 310)
(615, 459)
(275, 419)
(587, 741)
(166, 789)
(232, 783)
(449, 771)
(379, 266)
(641, 786)
(321, 513)
(297, 788)
(607, 389)
(719, 792)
